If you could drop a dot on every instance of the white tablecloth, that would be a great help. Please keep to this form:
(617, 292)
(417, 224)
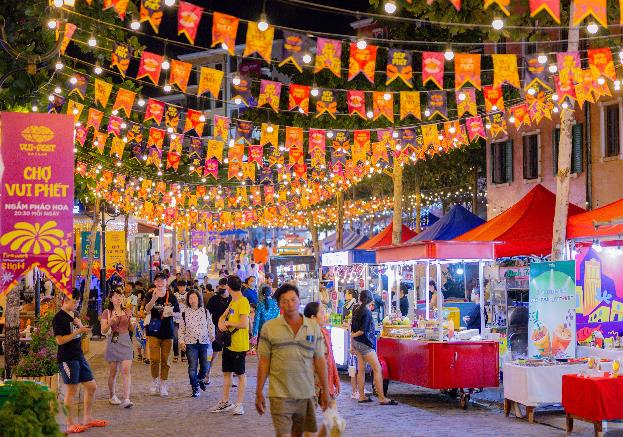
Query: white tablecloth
(531, 386)
(609, 354)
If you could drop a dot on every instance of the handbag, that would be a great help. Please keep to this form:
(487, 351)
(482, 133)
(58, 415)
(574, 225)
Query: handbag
(155, 324)
(224, 337)
(109, 330)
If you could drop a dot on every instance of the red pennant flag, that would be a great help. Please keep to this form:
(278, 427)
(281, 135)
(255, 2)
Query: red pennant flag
(180, 73)
(188, 17)
(150, 66)
(124, 101)
(256, 153)
(433, 64)
(299, 96)
(154, 110)
(356, 103)
(193, 122)
(363, 61)
(211, 168)
(224, 29)
(552, 7)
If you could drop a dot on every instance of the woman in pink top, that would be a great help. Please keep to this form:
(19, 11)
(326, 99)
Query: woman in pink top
(119, 352)
(316, 311)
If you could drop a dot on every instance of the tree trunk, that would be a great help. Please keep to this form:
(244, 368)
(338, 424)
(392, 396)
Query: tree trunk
(567, 119)
(418, 203)
(174, 252)
(91, 258)
(339, 227)
(11, 330)
(126, 228)
(475, 192)
(397, 219)
(313, 230)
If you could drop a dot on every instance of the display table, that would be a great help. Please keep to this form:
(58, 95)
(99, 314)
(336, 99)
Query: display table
(533, 385)
(609, 354)
(440, 365)
(592, 400)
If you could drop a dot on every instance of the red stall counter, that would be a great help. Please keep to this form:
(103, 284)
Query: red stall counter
(440, 365)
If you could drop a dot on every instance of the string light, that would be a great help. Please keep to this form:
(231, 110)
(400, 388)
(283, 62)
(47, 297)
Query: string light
(555, 97)
(35, 108)
(262, 25)
(387, 96)
(59, 65)
(542, 59)
(601, 80)
(307, 58)
(427, 112)
(390, 6)
(330, 134)
(269, 128)
(57, 89)
(362, 44)
(369, 114)
(237, 100)
(73, 80)
(531, 91)
(141, 101)
(564, 105)
(592, 28)
(97, 69)
(315, 91)
(92, 42)
(169, 2)
(59, 3)
(166, 88)
(165, 64)
(202, 118)
(462, 96)
(552, 68)
(135, 24)
(511, 119)
(497, 23)
(52, 24)
(236, 80)
(448, 54)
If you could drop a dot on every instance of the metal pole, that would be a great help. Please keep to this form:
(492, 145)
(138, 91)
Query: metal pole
(413, 305)
(482, 295)
(439, 302)
(37, 294)
(426, 290)
(102, 256)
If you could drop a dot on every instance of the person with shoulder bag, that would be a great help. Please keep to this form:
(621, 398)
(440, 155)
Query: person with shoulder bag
(196, 330)
(163, 307)
(119, 321)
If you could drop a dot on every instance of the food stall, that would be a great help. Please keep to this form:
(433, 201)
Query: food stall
(432, 354)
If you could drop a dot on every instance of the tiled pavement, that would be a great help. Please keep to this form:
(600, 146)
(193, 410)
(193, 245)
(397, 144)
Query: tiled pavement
(420, 413)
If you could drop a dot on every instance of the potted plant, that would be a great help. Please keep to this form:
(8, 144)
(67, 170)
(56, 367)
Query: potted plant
(28, 411)
(40, 363)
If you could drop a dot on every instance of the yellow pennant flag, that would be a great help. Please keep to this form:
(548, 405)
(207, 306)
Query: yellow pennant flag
(410, 104)
(210, 80)
(505, 70)
(74, 108)
(259, 41)
(102, 92)
(269, 134)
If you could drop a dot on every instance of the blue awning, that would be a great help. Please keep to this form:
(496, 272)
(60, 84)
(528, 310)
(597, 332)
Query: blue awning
(456, 222)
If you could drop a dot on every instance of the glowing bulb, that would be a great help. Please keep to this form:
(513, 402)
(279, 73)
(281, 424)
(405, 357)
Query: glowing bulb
(269, 128)
(59, 65)
(488, 126)
(224, 46)
(330, 134)
(601, 80)
(52, 24)
(459, 271)
(440, 137)
(98, 69)
(555, 110)
(169, 2)
(236, 80)
(141, 101)
(619, 251)
(315, 91)
(597, 247)
(123, 125)
(390, 6)
(202, 118)
(542, 59)
(135, 24)
(387, 96)
(592, 28)
(555, 97)
(166, 88)
(427, 112)
(511, 119)
(552, 68)
(92, 42)
(75, 111)
(452, 129)
(369, 114)
(237, 100)
(362, 44)
(59, 3)
(35, 108)
(57, 90)
(448, 54)
(307, 58)
(494, 108)
(165, 64)
(531, 91)
(497, 24)
(462, 96)
(262, 25)
(115, 112)
(73, 80)
(395, 134)
(564, 105)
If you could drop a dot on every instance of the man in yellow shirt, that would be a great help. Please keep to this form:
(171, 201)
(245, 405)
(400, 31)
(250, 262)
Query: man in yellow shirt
(235, 319)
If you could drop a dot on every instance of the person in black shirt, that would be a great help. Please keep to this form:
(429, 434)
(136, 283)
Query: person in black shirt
(404, 300)
(163, 307)
(363, 344)
(217, 306)
(472, 320)
(74, 369)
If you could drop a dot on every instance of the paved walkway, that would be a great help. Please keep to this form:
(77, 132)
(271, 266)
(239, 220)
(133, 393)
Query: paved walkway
(420, 413)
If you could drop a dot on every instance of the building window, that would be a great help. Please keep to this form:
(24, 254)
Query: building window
(502, 162)
(577, 149)
(613, 131)
(531, 156)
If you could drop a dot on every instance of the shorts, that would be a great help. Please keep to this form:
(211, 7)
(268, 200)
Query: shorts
(293, 416)
(75, 371)
(234, 362)
(362, 348)
(217, 347)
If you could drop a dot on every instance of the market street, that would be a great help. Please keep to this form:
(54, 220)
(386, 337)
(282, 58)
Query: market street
(421, 412)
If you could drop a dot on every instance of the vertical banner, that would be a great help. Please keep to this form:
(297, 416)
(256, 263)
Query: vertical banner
(115, 253)
(36, 220)
(551, 323)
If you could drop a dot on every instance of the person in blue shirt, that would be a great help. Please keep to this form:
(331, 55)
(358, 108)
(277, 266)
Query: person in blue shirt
(267, 309)
(249, 291)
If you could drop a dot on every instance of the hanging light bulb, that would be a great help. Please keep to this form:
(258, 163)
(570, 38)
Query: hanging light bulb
(387, 96)
(601, 80)
(564, 105)
(395, 134)
(202, 118)
(315, 91)
(390, 6)
(555, 97)
(330, 134)
(224, 46)
(169, 2)
(531, 91)
(552, 68)
(452, 129)
(362, 44)
(59, 65)
(52, 24)
(35, 108)
(448, 54)
(92, 42)
(141, 101)
(427, 112)
(236, 80)
(165, 64)
(307, 58)
(459, 271)
(488, 126)
(237, 100)
(369, 114)
(57, 89)
(555, 110)
(269, 128)
(97, 69)
(59, 3)
(262, 25)
(511, 119)
(462, 96)
(497, 23)
(440, 137)
(135, 24)
(596, 246)
(494, 108)
(123, 125)
(166, 88)
(619, 251)
(617, 85)
(73, 80)
(592, 28)
(542, 59)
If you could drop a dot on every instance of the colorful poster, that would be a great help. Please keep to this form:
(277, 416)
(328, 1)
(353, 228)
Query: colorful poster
(505, 70)
(115, 253)
(180, 73)
(37, 196)
(552, 302)
(326, 103)
(535, 73)
(299, 97)
(120, 58)
(599, 292)
(270, 93)
(410, 104)
(585, 8)
(150, 66)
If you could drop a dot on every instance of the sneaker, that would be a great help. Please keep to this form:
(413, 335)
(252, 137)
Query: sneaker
(239, 410)
(354, 395)
(114, 400)
(196, 393)
(155, 387)
(223, 406)
(202, 385)
(164, 390)
(127, 403)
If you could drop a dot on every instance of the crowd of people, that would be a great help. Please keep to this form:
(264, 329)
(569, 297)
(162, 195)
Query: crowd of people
(178, 319)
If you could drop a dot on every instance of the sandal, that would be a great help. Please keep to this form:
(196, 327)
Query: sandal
(365, 401)
(391, 402)
(76, 428)
(97, 423)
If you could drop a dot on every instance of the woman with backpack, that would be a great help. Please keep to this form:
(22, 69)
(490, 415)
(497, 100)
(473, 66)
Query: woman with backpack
(196, 332)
